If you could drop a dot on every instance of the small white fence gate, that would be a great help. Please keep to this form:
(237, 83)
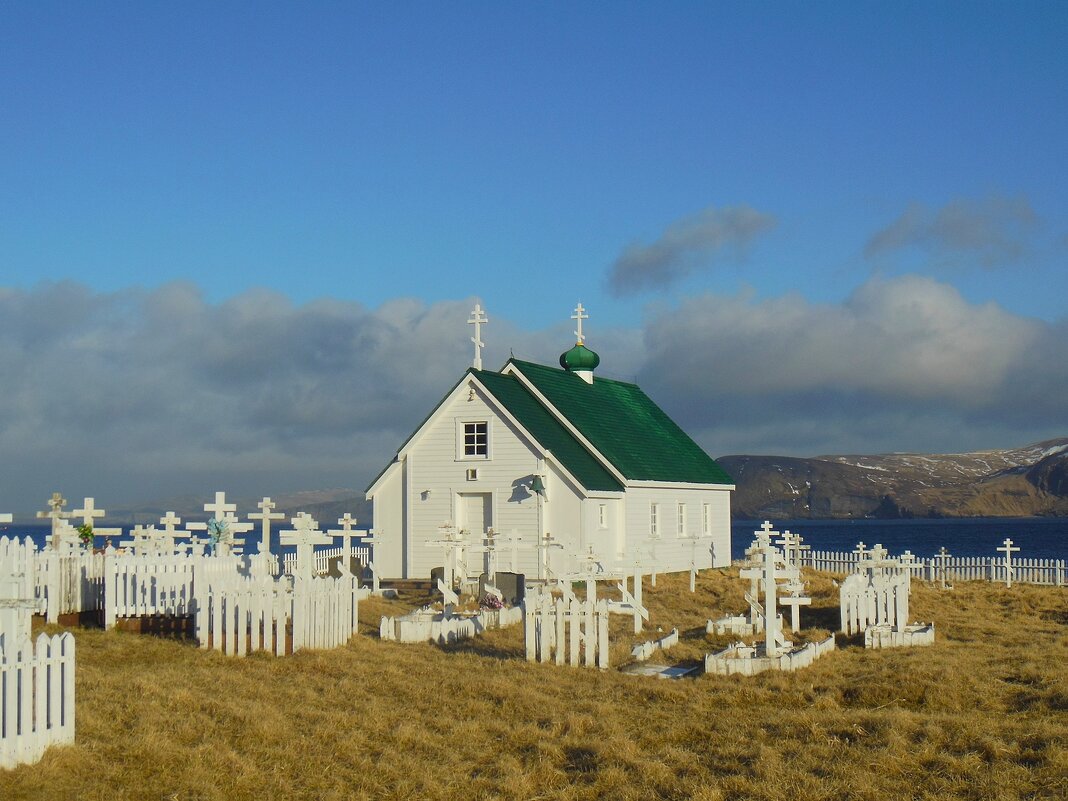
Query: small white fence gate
(575, 631)
(36, 697)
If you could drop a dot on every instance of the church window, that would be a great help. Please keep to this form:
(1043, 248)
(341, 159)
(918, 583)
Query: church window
(602, 515)
(706, 520)
(654, 520)
(476, 439)
(682, 520)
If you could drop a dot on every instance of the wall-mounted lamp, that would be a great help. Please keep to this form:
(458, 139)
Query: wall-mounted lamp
(537, 485)
(425, 494)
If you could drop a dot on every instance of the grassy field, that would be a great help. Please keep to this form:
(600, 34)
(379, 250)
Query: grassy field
(982, 714)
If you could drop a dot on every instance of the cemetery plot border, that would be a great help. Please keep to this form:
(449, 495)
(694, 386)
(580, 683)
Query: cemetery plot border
(36, 698)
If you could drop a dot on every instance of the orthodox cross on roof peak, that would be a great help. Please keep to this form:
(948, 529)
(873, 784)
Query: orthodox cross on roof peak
(578, 317)
(478, 318)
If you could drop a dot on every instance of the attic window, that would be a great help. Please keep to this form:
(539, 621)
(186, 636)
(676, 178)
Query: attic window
(476, 439)
(472, 474)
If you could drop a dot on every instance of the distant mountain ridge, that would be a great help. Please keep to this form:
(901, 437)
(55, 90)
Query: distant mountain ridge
(1026, 481)
(326, 506)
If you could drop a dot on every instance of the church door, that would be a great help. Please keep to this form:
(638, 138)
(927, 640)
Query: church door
(476, 515)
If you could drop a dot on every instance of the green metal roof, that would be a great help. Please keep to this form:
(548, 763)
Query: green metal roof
(626, 427)
(548, 431)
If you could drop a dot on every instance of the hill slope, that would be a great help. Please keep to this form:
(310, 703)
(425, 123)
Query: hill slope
(1032, 480)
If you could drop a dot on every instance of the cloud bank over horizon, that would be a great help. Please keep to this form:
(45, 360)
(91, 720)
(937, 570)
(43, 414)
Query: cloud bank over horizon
(147, 394)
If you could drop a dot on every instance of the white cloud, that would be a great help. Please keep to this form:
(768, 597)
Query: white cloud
(143, 395)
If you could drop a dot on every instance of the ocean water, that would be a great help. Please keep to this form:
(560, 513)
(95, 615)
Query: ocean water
(1037, 537)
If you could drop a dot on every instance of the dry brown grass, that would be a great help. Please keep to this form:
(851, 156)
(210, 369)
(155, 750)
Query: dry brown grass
(982, 714)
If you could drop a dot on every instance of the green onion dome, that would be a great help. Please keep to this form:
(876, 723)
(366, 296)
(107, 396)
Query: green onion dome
(579, 358)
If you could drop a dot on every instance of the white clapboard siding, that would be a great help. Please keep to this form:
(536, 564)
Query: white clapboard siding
(575, 631)
(36, 697)
(955, 568)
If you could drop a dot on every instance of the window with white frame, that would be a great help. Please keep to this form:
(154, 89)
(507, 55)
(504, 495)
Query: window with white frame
(682, 519)
(476, 439)
(706, 519)
(602, 515)
(654, 520)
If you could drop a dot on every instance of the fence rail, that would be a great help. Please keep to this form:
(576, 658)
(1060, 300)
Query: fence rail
(1052, 572)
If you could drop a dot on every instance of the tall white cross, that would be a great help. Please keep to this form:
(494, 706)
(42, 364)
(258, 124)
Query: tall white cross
(578, 317)
(943, 557)
(88, 512)
(220, 507)
(265, 516)
(478, 318)
(452, 540)
(346, 521)
(56, 513)
(305, 535)
(1008, 548)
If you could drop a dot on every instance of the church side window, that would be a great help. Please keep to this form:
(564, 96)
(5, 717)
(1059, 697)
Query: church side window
(602, 515)
(682, 520)
(706, 519)
(654, 520)
(476, 439)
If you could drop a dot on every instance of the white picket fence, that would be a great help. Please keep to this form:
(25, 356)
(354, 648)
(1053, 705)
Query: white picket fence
(575, 631)
(69, 582)
(244, 614)
(1052, 572)
(241, 614)
(36, 697)
(142, 585)
(321, 563)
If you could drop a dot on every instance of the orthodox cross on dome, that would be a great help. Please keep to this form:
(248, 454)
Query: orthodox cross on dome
(578, 317)
(478, 318)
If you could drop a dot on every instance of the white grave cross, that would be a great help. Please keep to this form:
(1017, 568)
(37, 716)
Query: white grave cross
(88, 512)
(1008, 549)
(346, 521)
(942, 556)
(265, 516)
(452, 541)
(55, 513)
(305, 535)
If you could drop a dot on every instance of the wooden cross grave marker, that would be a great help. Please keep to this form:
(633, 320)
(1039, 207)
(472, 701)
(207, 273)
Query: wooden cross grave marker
(55, 513)
(305, 534)
(1008, 549)
(265, 516)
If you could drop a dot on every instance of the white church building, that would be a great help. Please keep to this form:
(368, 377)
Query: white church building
(559, 471)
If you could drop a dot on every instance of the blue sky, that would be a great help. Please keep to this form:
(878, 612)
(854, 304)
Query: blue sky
(650, 160)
